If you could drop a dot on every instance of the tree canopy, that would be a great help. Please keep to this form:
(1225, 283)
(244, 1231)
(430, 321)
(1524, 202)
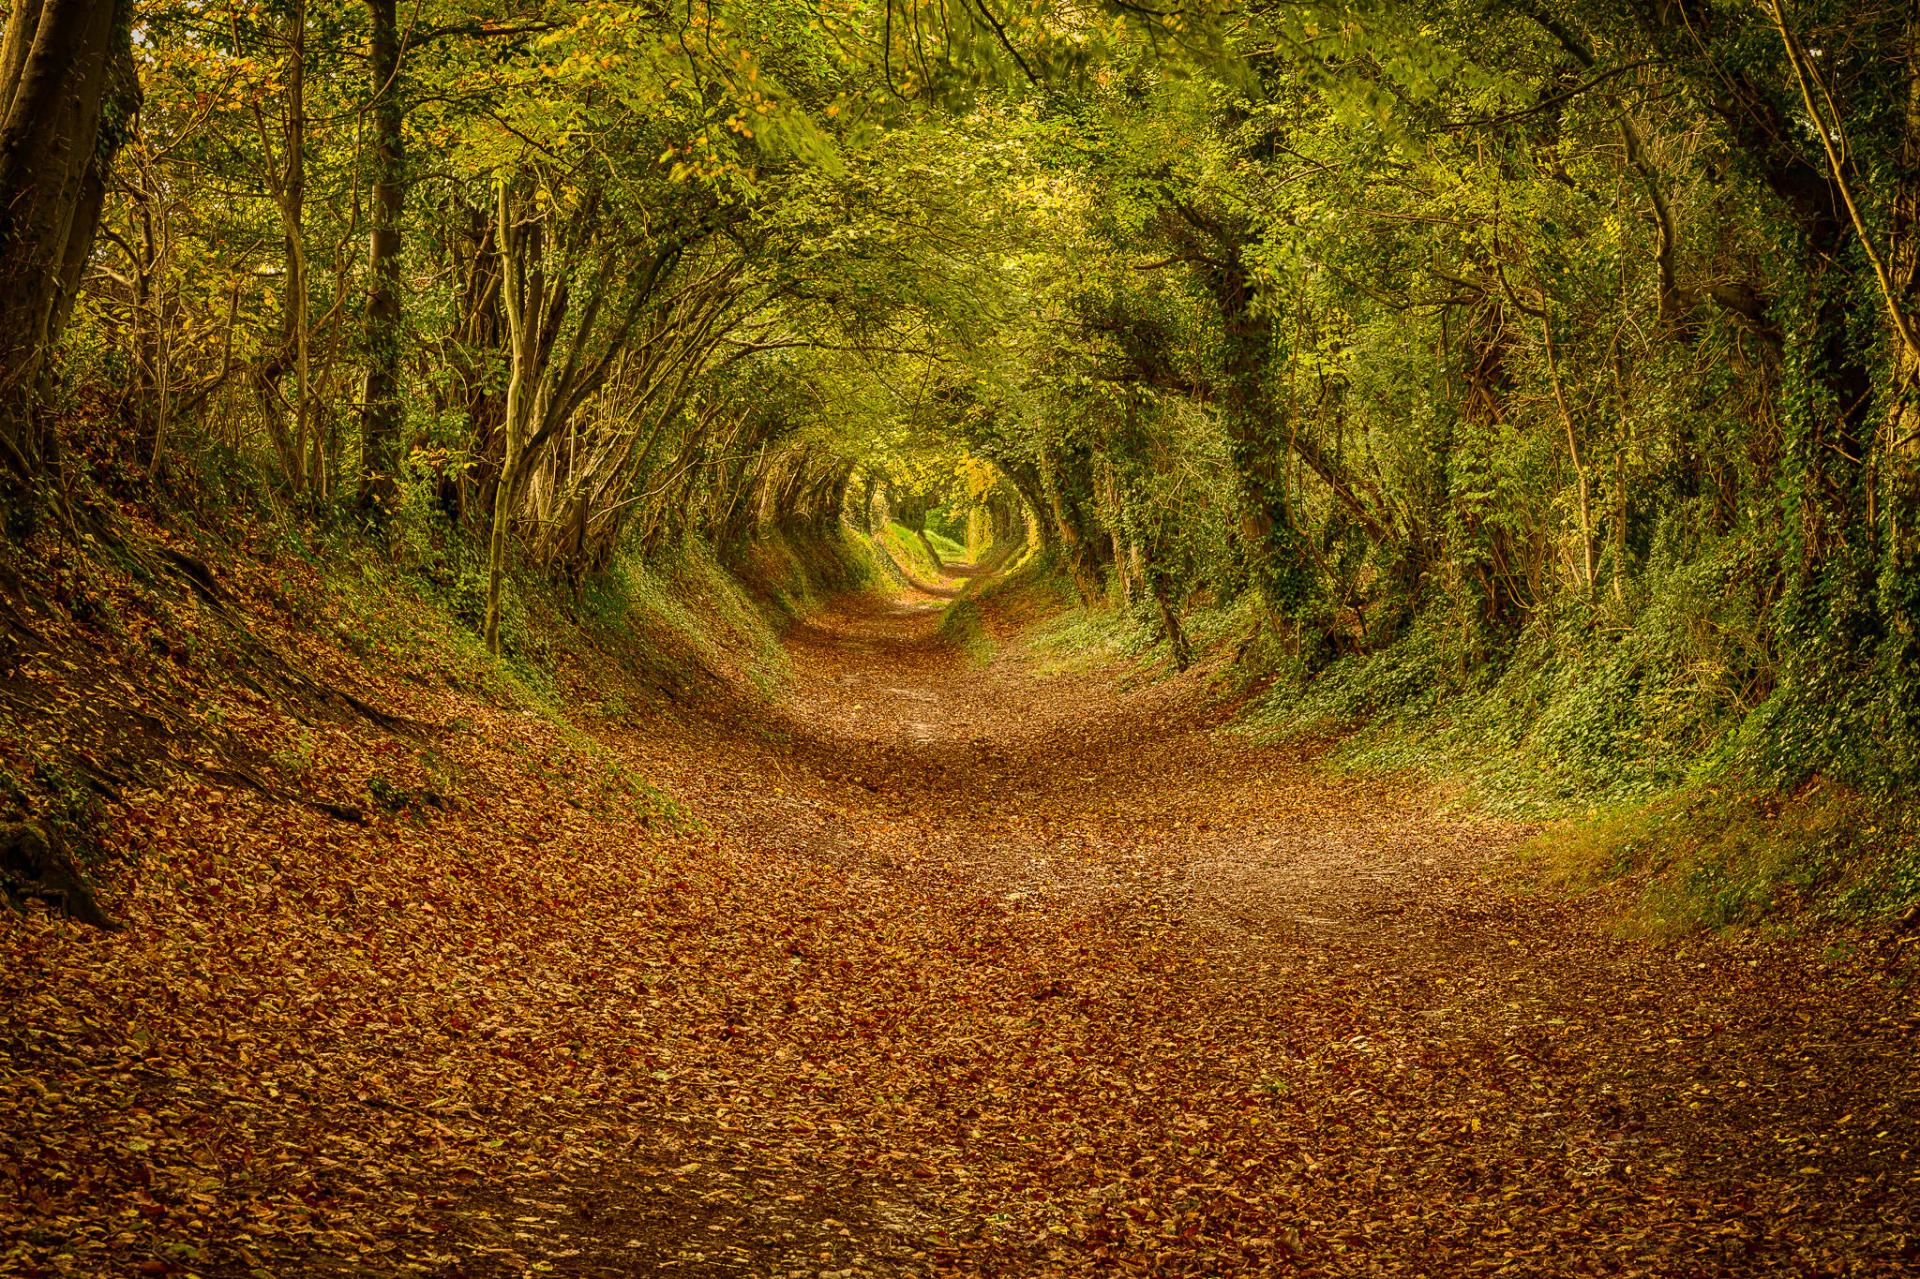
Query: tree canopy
(1564, 350)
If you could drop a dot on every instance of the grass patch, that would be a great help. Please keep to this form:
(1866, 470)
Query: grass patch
(1086, 638)
(687, 615)
(962, 625)
(713, 612)
(1631, 771)
(950, 550)
(1710, 858)
(908, 554)
(1549, 734)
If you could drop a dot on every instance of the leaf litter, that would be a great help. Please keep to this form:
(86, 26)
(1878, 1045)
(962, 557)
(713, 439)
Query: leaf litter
(934, 967)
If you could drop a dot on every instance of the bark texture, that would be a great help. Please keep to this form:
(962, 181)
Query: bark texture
(380, 416)
(67, 96)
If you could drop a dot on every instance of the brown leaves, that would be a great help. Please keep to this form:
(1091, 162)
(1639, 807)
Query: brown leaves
(1120, 996)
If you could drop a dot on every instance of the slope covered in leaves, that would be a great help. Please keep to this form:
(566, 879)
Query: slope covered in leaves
(935, 965)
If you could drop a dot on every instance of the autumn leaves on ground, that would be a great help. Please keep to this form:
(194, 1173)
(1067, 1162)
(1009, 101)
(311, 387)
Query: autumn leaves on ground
(930, 961)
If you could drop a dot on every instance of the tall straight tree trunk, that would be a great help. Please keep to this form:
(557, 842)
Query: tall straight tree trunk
(62, 63)
(293, 213)
(152, 339)
(1583, 488)
(287, 180)
(380, 397)
(513, 297)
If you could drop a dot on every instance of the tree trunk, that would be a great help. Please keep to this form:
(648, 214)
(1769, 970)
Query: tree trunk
(153, 339)
(520, 360)
(1086, 577)
(1583, 486)
(293, 214)
(62, 63)
(1899, 451)
(380, 396)
(1274, 555)
(1170, 621)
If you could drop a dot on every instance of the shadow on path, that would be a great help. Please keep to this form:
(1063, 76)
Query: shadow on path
(1007, 973)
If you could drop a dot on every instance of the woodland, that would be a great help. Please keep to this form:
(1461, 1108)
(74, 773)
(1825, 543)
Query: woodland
(842, 637)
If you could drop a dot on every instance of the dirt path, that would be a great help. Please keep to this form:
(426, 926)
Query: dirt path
(957, 968)
(1002, 973)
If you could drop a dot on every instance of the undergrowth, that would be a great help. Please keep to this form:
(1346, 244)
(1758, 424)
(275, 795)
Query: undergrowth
(1086, 636)
(963, 626)
(1713, 857)
(1637, 772)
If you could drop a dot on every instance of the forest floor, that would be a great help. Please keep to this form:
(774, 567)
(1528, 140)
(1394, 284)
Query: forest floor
(939, 965)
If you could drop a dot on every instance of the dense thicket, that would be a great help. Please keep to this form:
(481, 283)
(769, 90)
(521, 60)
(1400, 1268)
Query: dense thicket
(1561, 350)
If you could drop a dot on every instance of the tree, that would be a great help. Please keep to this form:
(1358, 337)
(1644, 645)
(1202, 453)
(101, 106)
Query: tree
(380, 411)
(67, 96)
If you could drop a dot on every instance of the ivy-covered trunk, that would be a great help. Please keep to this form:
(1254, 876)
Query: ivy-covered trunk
(1276, 559)
(380, 394)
